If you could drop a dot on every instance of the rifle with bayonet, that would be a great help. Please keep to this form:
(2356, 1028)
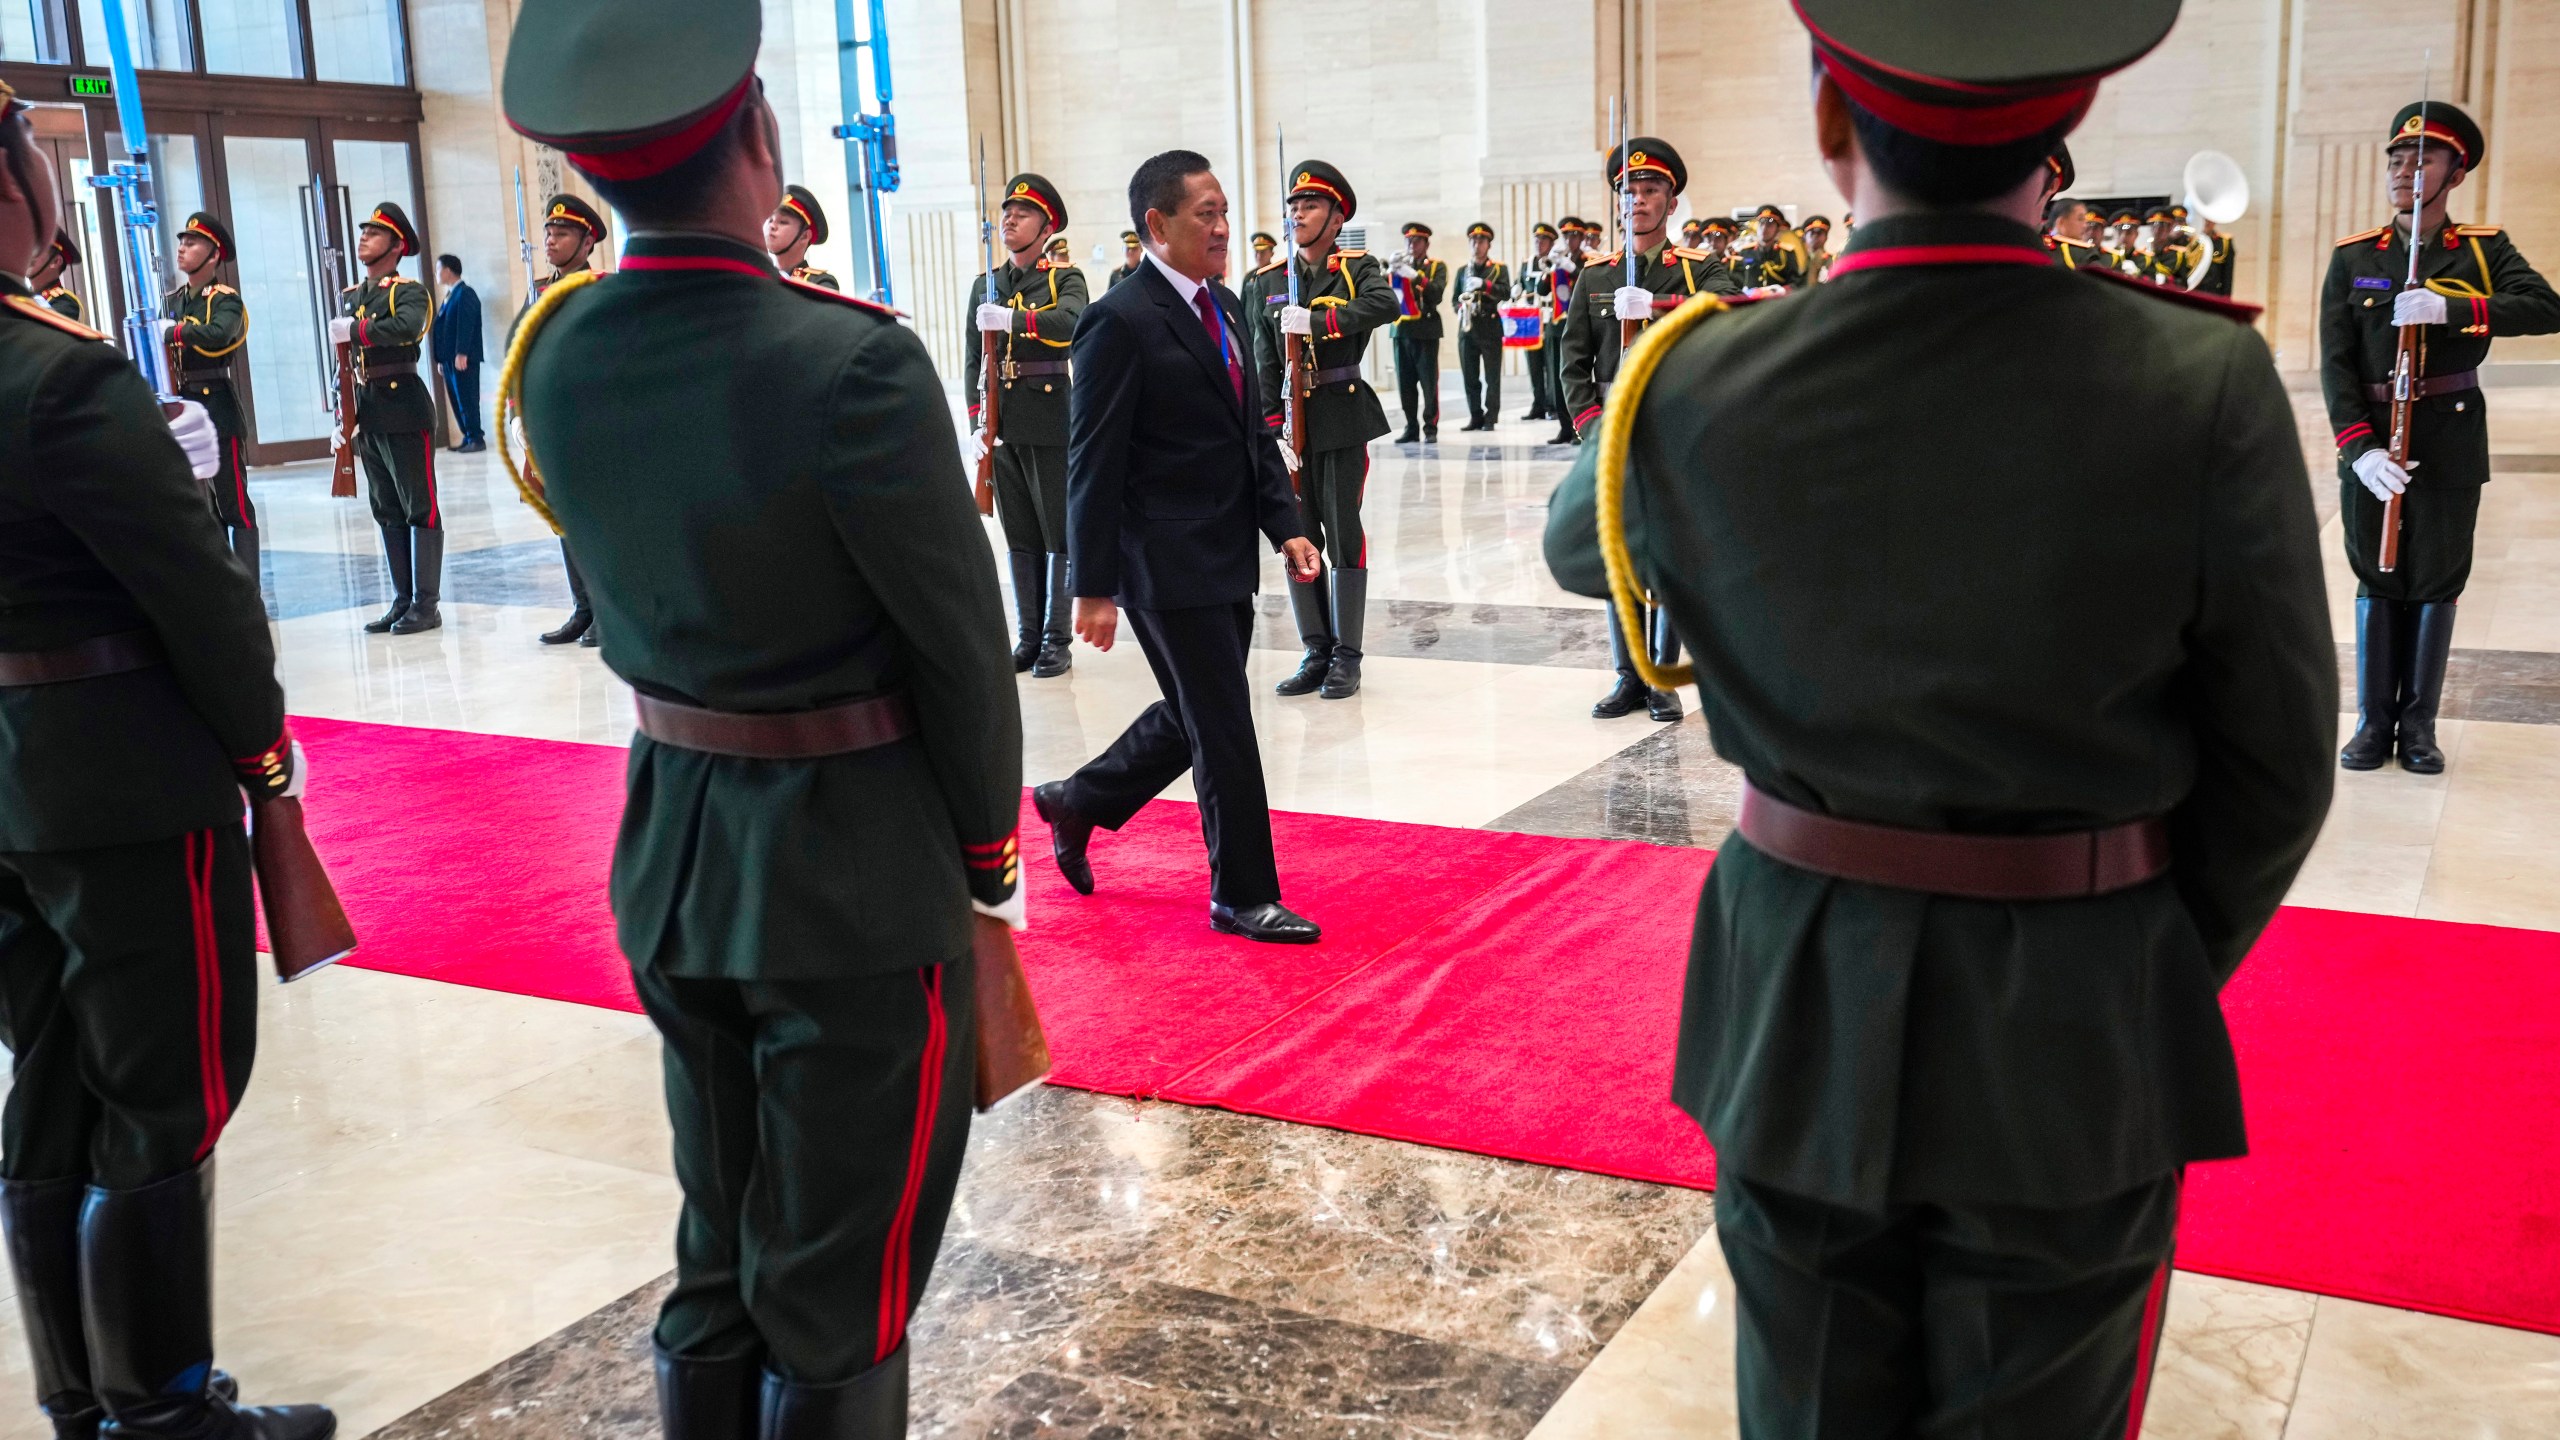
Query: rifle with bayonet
(990, 350)
(1297, 368)
(1628, 325)
(2410, 358)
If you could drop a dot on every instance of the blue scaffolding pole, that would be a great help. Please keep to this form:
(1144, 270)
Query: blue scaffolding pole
(870, 142)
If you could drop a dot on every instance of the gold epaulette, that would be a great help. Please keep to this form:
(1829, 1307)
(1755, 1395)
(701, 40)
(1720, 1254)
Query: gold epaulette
(1594, 261)
(1349, 254)
(2362, 235)
(35, 309)
(2477, 229)
(220, 290)
(1685, 253)
(1267, 269)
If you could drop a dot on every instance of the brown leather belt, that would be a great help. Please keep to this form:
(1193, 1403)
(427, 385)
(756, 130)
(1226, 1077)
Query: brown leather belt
(1339, 372)
(2380, 393)
(784, 735)
(1968, 867)
(1014, 368)
(105, 655)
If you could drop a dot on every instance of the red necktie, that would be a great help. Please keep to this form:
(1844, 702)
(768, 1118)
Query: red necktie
(1218, 338)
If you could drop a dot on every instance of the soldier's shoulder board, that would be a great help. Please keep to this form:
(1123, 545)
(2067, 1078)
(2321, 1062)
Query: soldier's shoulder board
(821, 292)
(1594, 261)
(2180, 295)
(1349, 254)
(1267, 269)
(35, 309)
(220, 290)
(2362, 235)
(2479, 229)
(1685, 253)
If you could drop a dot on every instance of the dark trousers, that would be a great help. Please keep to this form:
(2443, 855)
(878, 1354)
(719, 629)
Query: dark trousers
(1330, 488)
(1031, 497)
(1480, 369)
(464, 387)
(1418, 379)
(1986, 1322)
(2437, 521)
(128, 997)
(400, 478)
(1544, 392)
(1204, 724)
(819, 1127)
(230, 484)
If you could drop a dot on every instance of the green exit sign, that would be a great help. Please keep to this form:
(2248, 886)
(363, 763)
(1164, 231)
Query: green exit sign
(98, 87)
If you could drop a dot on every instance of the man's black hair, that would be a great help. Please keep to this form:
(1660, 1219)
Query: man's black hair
(674, 198)
(1931, 172)
(449, 262)
(1160, 184)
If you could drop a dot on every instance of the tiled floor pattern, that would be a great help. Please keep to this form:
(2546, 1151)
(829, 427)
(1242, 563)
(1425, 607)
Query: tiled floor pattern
(447, 1211)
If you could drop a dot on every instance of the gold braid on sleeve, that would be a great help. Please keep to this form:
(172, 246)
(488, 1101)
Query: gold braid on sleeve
(528, 478)
(1617, 425)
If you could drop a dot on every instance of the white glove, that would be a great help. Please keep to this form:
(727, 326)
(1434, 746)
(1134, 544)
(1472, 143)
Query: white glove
(1015, 913)
(166, 327)
(973, 448)
(300, 777)
(1473, 282)
(342, 330)
(194, 429)
(1403, 267)
(338, 441)
(2384, 478)
(1288, 454)
(2418, 307)
(1297, 320)
(998, 318)
(1632, 302)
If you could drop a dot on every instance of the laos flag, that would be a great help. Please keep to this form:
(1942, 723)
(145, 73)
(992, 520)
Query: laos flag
(1520, 329)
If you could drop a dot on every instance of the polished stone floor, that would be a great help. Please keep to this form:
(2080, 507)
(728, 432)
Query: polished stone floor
(448, 1211)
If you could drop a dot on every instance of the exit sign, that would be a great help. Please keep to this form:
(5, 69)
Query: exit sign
(99, 87)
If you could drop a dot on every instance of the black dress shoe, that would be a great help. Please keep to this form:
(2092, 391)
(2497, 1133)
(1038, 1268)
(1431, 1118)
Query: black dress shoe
(570, 629)
(1663, 705)
(471, 447)
(1068, 834)
(1431, 436)
(1411, 436)
(592, 639)
(1629, 697)
(1312, 668)
(1272, 924)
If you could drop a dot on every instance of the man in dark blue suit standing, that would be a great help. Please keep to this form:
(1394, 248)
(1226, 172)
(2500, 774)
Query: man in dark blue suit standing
(457, 345)
(1170, 475)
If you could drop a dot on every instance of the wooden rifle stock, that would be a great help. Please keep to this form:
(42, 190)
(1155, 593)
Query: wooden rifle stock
(1297, 370)
(1013, 1051)
(2404, 398)
(307, 927)
(990, 360)
(342, 467)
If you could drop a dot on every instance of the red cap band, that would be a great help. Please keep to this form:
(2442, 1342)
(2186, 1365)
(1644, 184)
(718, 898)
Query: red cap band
(667, 151)
(1976, 125)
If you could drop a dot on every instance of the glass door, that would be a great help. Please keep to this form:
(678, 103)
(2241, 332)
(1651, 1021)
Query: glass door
(271, 170)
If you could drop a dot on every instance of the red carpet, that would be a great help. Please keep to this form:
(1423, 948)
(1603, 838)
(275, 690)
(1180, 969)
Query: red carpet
(1516, 995)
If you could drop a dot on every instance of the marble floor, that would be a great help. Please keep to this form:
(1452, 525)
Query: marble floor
(448, 1212)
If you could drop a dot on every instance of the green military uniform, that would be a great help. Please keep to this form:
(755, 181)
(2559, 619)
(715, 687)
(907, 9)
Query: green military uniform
(395, 431)
(1756, 267)
(2168, 262)
(2405, 616)
(1949, 1130)
(64, 300)
(762, 485)
(798, 200)
(1481, 291)
(571, 212)
(1559, 289)
(209, 325)
(1591, 344)
(1047, 299)
(1537, 285)
(2070, 254)
(1127, 267)
(1347, 300)
(1420, 285)
(138, 700)
(2217, 275)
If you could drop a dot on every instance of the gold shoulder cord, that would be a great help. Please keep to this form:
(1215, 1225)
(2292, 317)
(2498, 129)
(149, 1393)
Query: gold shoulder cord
(511, 393)
(1617, 425)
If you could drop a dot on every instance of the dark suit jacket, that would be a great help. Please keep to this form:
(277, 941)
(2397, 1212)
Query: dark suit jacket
(1168, 478)
(457, 329)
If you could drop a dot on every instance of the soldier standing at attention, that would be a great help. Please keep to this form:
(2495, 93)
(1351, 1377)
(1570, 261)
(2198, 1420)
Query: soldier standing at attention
(1577, 233)
(388, 314)
(1484, 284)
(2067, 230)
(1816, 231)
(2223, 254)
(1036, 305)
(1769, 266)
(1665, 275)
(1537, 284)
(1420, 283)
(1343, 296)
(1264, 247)
(2017, 769)
(828, 771)
(58, 257)
(207, 325)
(2474, 286)
(1129, 257)
(1716, 237)
(134, 665)
(2168, 261)
(1692, 230)
(796, 224)
(571, 230)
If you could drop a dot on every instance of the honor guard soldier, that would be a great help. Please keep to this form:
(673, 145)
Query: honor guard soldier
(1343, 297)
(1665, 275)
(1483, 286)
(1061, 253)
(1692, 230)
(1264, 247)
(58, 257)
(571, 230)
(387, 316)
(2168, 261)
(1816, 232)
(2121, 241)
(2068, 221)
(1576, 233)
(2221, 257)
(207, 325)
(796, 224)
(1130, 255)
(135, 664)
(1537, 282)
(1420, 283)
(1037, 301)
(762, 483)
(1716, 237)
(2473, 286)
(2027, 771)
(1770, 265)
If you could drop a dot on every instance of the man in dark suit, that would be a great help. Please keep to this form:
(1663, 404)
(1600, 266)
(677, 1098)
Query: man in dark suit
(459, 350)
(1169, 475)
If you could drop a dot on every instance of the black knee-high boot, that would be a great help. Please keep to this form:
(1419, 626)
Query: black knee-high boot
(2377, 685)
(1629, 695)
(2424, 687)
(1024, 567)
(43, 1225)
(581, 613)
(1663, 705)
(1311, 602)
(423, 614)
(1350, 625)
(870, 1406)
(395, 555)
(710, 1399)
(1058, 639)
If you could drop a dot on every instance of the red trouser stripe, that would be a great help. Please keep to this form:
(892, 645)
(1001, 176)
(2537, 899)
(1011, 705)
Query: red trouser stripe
(240, 486)
(427, 448)
(2154, 1315)
(209, 1073)
(1360, 498)
(894, 1268)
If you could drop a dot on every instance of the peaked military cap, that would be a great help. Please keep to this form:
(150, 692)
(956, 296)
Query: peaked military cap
(566, 209)
(1815, 222)
(211, 231)
(2065, 173)
(1770, 212)
(2125, 216)
(2443, 124)
(1545, 229)
(1479, 230)
(1575, 225)
(1646, 155)
(629, 88)
(1058, 245)
(1979, 72)
(1721, 225)
(1036, 192)
(1128, 237)
(389, 216)
(813, 216)
(1416, 227)
(63, 247)
(1692, 225)
(2157, 213)
(1265, 237)
(1315, 177)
